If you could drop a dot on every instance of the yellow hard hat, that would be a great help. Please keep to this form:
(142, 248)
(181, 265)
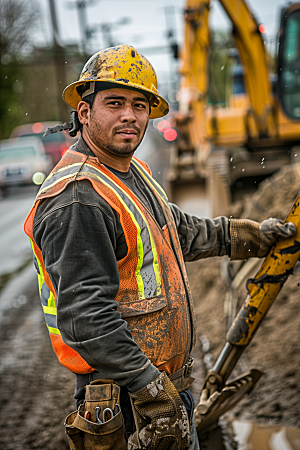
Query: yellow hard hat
(120, 66)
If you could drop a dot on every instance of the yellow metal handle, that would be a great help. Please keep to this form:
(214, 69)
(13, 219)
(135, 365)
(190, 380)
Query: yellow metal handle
(267, 283)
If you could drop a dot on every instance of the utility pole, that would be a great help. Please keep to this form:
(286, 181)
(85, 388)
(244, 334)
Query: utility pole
(107, 35)
(85, 32)
(107, 30)
(59, 62)
(171, 27)
(81, 9)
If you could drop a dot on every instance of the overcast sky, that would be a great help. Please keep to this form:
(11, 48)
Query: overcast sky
(147, 23)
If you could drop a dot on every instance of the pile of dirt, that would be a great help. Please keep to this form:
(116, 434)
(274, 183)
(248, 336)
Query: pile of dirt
(273, 197)
(276, 347)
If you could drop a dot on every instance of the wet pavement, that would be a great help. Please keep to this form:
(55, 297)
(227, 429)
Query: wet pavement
(14, 244)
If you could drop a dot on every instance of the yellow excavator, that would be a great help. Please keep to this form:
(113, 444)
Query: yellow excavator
(256, 133)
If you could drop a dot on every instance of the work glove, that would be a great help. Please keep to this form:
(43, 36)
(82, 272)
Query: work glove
(270, 230)
(250, 239)
(168, 425)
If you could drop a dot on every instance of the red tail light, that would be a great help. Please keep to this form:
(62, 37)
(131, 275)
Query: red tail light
(37, 127)
(170, 134)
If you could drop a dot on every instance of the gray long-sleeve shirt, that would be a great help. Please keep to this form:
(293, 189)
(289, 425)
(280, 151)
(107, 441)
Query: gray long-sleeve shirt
(82, 239)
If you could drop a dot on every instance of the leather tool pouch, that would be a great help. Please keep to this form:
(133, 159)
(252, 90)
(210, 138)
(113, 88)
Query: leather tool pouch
(84, 433)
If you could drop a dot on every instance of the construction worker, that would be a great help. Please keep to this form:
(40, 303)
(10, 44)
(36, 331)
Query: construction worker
(109, 250)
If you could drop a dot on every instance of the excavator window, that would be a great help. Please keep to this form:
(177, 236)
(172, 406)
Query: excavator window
(289, 65)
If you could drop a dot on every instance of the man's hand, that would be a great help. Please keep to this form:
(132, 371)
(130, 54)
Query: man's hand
(270, 230)
(161, 406)
(251, 239)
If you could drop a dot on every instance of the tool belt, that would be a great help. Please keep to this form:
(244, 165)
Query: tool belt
(99, 422)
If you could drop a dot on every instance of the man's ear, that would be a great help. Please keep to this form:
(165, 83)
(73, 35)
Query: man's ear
(83, 109)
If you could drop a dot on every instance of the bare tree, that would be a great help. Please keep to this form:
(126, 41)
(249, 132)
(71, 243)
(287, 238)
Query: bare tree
(17, 19)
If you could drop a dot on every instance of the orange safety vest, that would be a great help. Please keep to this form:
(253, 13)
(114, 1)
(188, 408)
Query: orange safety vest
(154, 296)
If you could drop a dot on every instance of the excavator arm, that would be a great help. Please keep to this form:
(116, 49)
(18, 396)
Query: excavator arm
(252, 53)
(186, 175)
(194, 74)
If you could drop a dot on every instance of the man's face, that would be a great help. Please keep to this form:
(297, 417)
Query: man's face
(118, 121)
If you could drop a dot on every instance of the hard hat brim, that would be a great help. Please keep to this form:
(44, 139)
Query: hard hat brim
(72, 97)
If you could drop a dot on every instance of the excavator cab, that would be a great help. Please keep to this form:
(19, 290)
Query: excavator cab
(289, 61)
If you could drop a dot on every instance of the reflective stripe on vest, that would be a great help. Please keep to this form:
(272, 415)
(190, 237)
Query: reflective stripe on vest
(147, 271)
(47, 297)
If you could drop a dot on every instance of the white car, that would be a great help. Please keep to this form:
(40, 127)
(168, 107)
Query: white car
(23, 161)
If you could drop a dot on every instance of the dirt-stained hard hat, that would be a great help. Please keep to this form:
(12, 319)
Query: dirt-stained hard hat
(121, 66)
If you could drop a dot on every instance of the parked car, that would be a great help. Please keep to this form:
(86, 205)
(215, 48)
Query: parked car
(23, 161)
(56, 144)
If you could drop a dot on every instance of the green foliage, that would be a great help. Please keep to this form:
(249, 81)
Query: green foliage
(12, 77)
